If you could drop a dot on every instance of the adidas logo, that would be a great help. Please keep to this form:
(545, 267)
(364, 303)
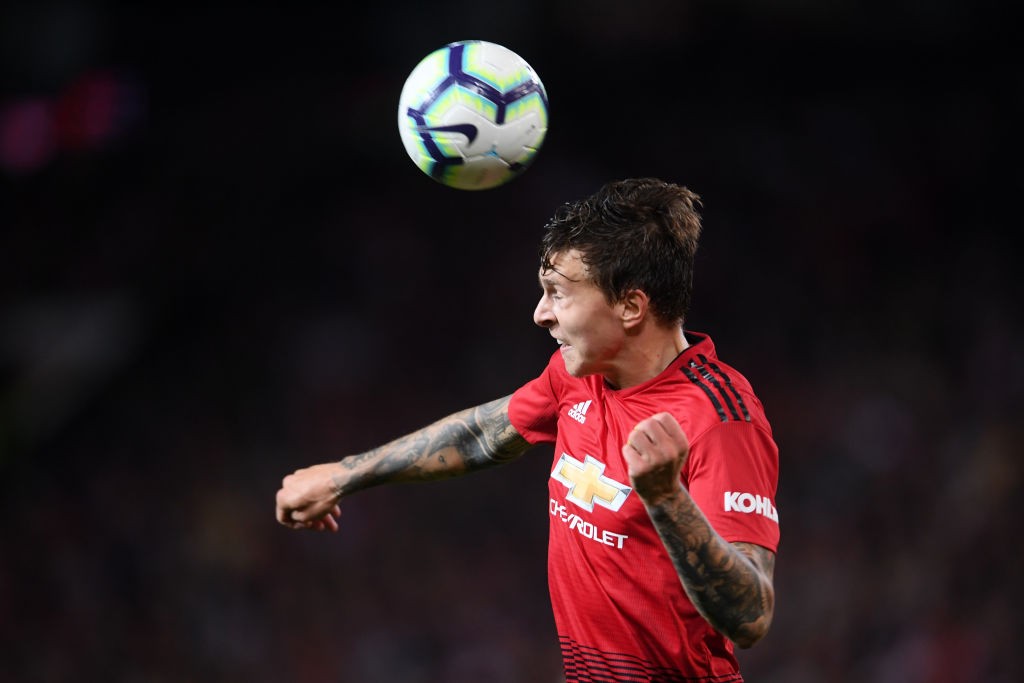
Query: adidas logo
(579, 411)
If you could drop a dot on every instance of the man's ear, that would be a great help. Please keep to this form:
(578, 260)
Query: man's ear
(635, 308)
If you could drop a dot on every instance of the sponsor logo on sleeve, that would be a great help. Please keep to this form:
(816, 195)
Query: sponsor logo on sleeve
(750, 504)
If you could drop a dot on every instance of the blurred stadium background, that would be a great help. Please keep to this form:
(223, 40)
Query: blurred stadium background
(217, 265)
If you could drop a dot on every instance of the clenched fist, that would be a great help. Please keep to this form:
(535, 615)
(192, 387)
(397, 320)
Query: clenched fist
(307, 499)
(655, 453)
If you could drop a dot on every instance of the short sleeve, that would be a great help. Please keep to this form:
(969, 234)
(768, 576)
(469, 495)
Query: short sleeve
(733, 478)
(533, 408)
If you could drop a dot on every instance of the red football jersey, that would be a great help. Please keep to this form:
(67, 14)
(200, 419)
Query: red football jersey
(619, 607)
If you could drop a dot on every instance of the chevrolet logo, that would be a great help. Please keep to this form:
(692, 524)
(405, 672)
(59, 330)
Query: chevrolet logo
(587, 483)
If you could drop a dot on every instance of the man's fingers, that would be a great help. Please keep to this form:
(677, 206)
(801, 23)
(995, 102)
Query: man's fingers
(302, 502)
(654, 438)
(300, 519)
(670, 427)
(283, 515)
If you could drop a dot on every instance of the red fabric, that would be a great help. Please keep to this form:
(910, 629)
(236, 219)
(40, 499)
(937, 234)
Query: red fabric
(619, 607)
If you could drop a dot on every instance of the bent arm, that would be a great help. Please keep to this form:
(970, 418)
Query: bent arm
(730, 584)
(466, 441)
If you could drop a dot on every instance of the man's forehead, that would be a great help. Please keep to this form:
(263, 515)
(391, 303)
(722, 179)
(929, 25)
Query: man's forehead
(564, 265)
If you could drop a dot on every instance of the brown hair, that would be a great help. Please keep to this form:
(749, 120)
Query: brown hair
(639, 233)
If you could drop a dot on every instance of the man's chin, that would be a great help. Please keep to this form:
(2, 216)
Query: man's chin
(574, 367)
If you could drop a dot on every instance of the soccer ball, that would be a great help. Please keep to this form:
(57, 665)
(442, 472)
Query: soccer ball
(472, 115)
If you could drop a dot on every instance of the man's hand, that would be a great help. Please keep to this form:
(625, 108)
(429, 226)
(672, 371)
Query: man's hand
(307, 499)
(655, 453)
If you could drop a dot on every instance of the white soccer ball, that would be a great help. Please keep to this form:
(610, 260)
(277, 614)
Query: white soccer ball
(472, 115)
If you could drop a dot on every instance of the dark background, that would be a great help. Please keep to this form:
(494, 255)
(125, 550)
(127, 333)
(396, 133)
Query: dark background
(218, 265)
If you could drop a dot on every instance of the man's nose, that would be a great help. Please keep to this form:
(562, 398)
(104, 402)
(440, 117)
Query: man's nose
(542, 313)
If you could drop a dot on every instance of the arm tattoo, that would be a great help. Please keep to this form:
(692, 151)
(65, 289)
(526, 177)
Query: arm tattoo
(463, 442)
(730, 584)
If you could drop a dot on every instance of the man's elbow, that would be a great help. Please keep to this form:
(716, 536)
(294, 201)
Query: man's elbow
(748, 635)
(747, 640)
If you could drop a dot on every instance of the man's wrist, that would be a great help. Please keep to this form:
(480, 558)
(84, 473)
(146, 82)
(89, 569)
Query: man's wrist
(664, 500)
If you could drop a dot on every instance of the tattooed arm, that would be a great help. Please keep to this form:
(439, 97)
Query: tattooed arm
(730, 584)
(463, 442)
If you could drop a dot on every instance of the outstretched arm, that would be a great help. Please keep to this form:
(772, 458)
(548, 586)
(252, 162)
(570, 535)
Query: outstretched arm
(729, 583)
(463, 442)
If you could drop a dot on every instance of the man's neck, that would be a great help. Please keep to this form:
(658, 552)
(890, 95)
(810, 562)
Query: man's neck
(649, 355)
